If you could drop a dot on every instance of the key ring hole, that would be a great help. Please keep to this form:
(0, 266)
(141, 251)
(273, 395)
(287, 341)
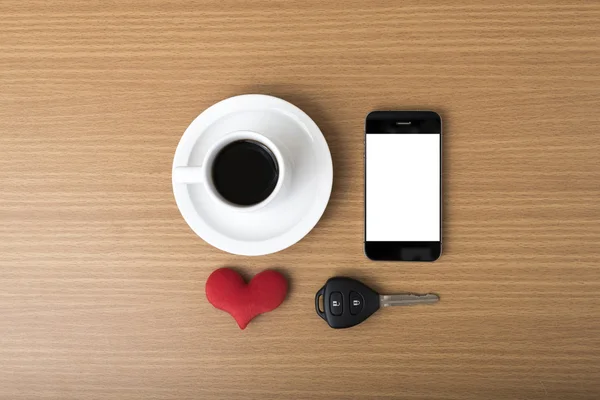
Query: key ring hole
(321, 304)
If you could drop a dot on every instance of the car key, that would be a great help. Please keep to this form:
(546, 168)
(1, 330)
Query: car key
(348, 302)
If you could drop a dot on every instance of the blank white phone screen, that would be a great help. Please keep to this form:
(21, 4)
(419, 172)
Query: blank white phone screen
(403, 187)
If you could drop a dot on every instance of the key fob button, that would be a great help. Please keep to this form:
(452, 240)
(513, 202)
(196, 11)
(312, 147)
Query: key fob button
(356, 303)
(335, 303)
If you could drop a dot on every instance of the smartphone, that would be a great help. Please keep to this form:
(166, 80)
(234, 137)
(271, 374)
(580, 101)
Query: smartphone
(403, 186)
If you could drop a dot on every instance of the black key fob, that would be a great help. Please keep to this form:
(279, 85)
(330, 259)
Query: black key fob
(346, 302)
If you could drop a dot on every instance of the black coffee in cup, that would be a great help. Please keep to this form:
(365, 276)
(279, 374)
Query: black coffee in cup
(245, 172)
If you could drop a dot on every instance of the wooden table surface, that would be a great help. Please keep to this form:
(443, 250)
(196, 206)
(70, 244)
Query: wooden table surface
(102, 282)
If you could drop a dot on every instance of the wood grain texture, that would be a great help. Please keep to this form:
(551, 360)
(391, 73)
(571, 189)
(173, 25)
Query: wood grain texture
(102, 282)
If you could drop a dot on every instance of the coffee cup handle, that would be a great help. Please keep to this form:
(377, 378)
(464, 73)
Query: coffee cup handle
(188, 174)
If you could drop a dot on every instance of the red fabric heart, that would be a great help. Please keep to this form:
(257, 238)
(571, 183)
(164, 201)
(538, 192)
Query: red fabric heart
(227, 291)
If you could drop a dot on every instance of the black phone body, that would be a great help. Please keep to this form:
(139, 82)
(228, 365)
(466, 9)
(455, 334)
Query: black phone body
(403, 186)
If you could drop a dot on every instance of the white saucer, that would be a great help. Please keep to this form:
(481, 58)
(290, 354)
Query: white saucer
(282, 222)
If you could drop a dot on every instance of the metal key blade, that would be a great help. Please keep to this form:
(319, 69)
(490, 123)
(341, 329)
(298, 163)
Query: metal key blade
(407, 299)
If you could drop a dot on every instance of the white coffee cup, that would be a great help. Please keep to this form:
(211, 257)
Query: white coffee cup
(202, 174)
